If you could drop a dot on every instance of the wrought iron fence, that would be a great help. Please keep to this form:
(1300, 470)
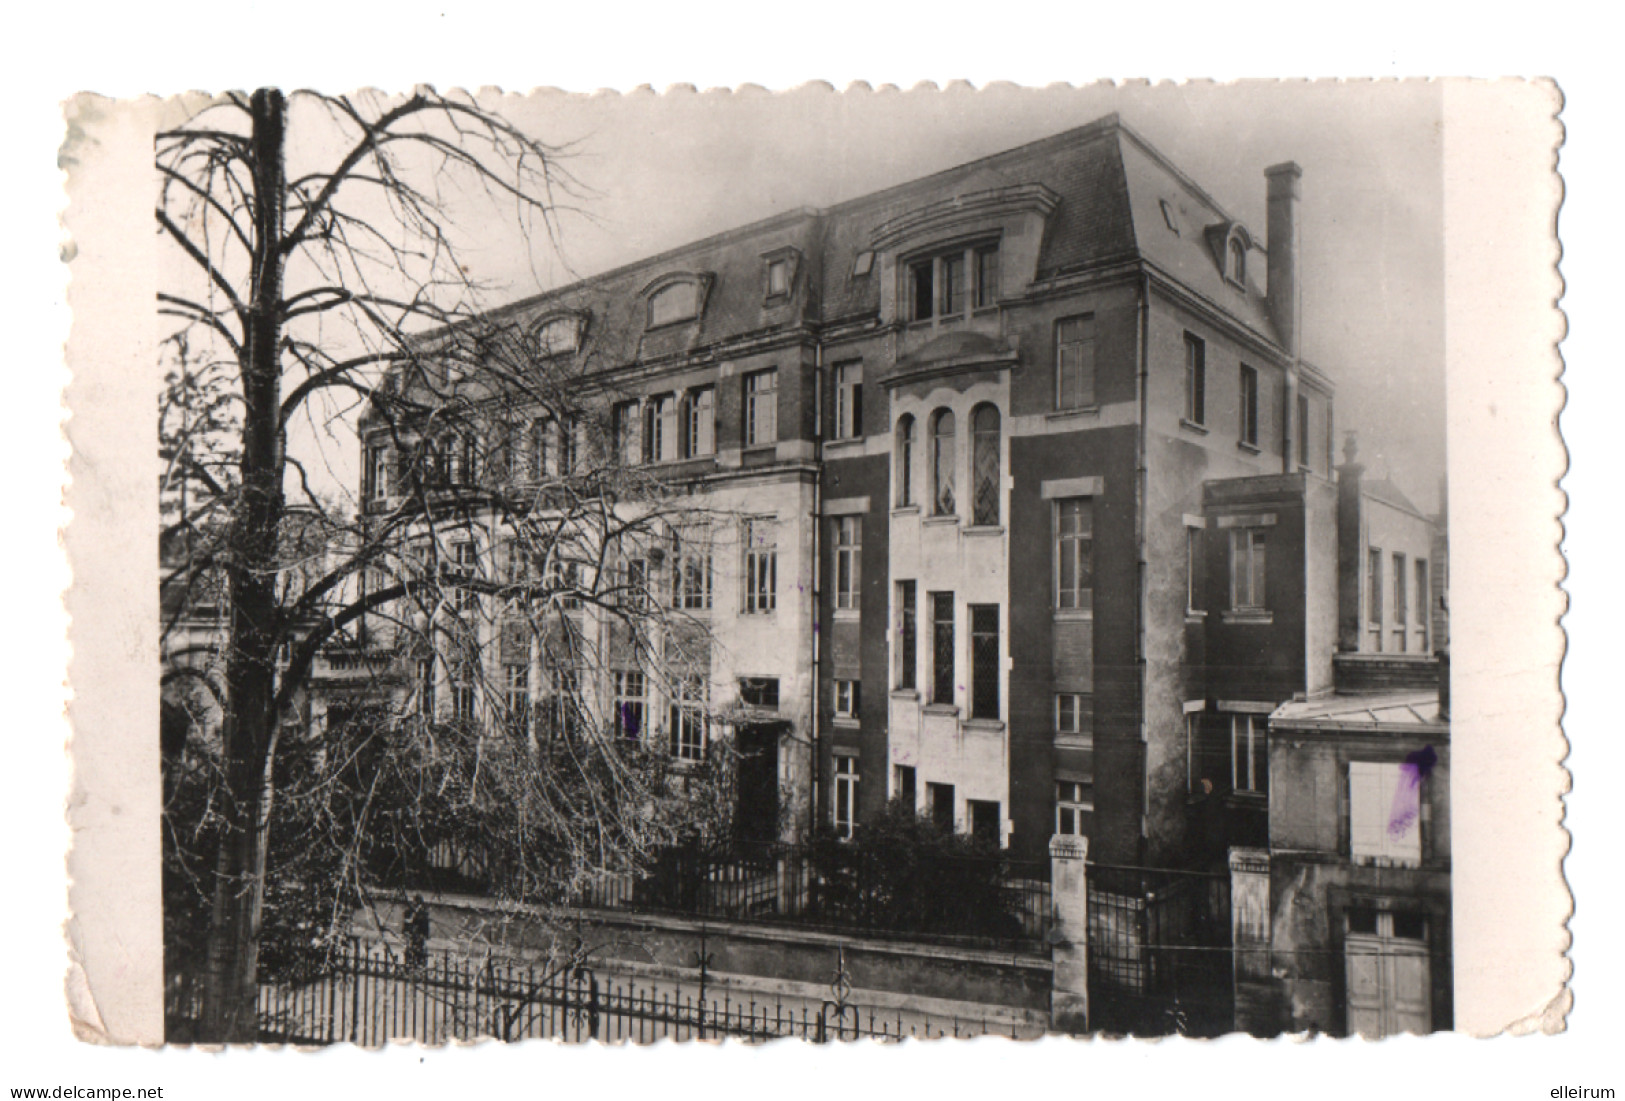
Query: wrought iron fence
(1160, 951)
(833, 887)
(371, 995)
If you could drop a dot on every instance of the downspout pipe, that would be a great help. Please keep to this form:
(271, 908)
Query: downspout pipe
(1142, 340)
(817, 582)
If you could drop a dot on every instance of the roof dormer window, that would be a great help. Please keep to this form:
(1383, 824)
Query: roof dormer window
(953, 282)
(1169, 218)
(1236, 262)
(779, 270)
(559, 335)
(676, 297)
(678, 302)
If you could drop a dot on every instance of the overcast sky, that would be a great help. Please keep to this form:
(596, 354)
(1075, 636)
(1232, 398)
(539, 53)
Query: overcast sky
(661, 170)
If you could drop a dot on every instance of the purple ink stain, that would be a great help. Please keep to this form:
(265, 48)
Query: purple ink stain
(629, 721)
(1407, 807)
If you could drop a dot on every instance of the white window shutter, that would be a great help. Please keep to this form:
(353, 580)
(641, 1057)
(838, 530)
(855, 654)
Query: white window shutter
(1368, 810)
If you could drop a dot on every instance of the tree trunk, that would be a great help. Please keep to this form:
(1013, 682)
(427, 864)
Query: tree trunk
(231, 979)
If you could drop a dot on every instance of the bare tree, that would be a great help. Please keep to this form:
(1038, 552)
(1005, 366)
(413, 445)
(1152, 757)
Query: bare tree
(333, 290)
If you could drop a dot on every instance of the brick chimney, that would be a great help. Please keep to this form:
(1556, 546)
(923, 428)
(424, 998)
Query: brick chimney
(1282, 293)
(1282, 227)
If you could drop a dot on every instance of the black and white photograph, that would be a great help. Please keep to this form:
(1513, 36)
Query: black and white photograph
(965, 564)
(811, 567)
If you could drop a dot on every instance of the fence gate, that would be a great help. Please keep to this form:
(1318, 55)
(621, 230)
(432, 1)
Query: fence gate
(1160, 951)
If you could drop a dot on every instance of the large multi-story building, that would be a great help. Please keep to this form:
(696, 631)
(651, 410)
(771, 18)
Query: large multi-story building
(1020, 496)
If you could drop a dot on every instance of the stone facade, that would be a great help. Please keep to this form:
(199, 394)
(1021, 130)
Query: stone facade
(1030, 417)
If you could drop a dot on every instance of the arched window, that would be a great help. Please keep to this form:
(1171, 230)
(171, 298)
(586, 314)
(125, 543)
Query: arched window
(984, 465)
(1238, 260)
(942, 462)
(905, 460)
(676, 302)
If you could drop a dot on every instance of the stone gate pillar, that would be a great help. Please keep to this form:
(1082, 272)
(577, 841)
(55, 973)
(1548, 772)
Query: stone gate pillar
(1250, 941)
(1069, 935)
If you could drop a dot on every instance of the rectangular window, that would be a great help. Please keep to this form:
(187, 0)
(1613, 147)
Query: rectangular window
(1195, 379)
(1402, 610)
(984, 661)
(1075, 362)
(921, 287)
(942, 648)
(688, 719)
(1073, 714)
(847, 699)
(1249, 754)
(691, 573)
(846, 795)
(426, 700)
(466, 565)
(1073, 801)
(516, 699)
(940, 800)
(378, 471)
(953, 284)
(561, 583)
(761, 408)
(634, 583)
(700, 439)
(1249, 405)
(903, 784)
(464, 675)
(660, 428)
(759, 692)
(557, 710)
(1074, 553)
(464, 455)
(1305, 425)
(1373, 595)
(987, 276)
(1193, 569)
(907, 635)
(986, 821)
(1247, 569)
(624, 430)
(778, 278)
(1384, 814)
(848, 561)
(631, 703)
(761, 565)
(1423, 609)
(564, 446)
(848, 401)
(536, 456)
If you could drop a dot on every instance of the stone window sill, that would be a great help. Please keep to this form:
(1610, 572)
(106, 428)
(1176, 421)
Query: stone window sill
(844, 722)
(1250, 448)
(941, 709)
(905, 694)
(984, 726)
(1082, 412)
(1065, 615)
(936, 521)
(984, 530)
(847, 615)
(1256, 617)
(1199, 429)
(906, 510)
